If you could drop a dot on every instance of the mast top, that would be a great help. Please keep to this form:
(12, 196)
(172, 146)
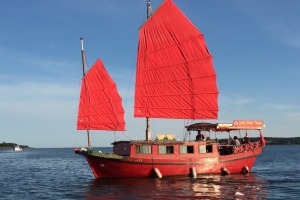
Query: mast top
(148, 9)
(81, 40)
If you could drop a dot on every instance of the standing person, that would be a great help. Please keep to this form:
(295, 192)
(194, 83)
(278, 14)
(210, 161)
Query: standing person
(199, 136)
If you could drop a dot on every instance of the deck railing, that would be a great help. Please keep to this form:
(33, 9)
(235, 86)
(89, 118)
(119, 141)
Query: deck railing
(225, 149)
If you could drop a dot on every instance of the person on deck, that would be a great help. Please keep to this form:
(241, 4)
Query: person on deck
(246, 140)
(199, 136)
(236, 141)
(226, 149)
(243, 141)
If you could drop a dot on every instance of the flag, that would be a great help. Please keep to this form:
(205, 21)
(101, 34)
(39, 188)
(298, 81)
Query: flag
(263, 142)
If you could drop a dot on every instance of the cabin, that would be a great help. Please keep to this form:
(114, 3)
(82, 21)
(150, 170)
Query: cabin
(165, 146)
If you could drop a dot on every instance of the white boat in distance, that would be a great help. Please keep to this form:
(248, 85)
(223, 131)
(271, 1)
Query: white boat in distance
(17, 148)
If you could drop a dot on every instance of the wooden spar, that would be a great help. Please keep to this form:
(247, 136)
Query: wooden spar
(82, 57)
(148, 9)
(83, 72)
(148, 131)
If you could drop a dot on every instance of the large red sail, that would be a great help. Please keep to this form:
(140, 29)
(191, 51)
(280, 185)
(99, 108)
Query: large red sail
(100, 105)
(175, 77)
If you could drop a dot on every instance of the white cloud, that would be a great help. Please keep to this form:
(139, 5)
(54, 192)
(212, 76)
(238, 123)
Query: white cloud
(282, 107)
(38, 99)
(293, 115)
(234, 99)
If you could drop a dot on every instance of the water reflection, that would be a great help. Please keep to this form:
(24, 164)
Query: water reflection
(203, 187)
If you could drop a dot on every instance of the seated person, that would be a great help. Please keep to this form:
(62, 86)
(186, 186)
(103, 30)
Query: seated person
(246, 140)
(242, 141)
(225, 150)
(236, 141)
(199, 136)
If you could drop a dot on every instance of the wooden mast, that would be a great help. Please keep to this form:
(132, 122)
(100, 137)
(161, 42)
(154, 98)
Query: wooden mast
(148, 131)
(83, 72)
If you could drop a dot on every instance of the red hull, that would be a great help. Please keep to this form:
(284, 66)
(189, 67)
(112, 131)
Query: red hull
(173, 165)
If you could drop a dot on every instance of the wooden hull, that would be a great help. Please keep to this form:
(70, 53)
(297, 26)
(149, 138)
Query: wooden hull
(171, 165)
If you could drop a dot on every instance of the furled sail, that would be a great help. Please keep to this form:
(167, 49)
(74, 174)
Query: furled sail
(175, 77)
(100, 105)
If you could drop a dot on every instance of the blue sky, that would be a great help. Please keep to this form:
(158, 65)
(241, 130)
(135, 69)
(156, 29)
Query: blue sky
(256, 54)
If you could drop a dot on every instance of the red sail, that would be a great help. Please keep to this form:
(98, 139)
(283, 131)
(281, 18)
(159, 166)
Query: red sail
(175, 77)
(100, 105)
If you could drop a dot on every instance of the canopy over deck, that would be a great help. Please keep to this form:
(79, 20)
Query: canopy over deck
(236, 125)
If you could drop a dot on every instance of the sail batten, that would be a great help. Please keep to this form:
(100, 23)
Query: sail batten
(175, 77)
(100, 105)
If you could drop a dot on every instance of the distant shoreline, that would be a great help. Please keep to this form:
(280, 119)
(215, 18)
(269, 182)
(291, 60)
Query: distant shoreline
(12, 145)
(274, 140)
(5, 148)
(12, 148)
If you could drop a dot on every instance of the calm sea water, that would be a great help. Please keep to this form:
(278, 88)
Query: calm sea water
(61, 174)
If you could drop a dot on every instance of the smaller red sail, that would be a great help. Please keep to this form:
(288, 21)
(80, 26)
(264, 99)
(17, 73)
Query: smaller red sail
(100, 105)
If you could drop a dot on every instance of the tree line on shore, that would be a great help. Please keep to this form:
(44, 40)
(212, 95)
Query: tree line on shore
(11, 145)
(274, 140)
